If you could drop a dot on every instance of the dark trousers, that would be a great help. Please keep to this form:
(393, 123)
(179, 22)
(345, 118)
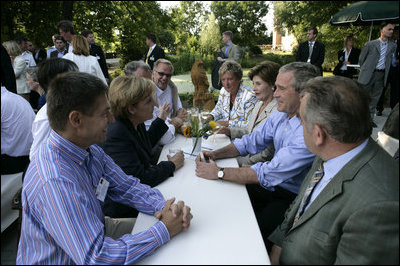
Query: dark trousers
(269, 208)
(393, 81)
(13, 165)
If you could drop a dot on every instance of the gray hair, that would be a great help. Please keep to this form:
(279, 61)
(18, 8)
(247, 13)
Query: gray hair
(302, 73)
(163, 61)
(132, 66)
(340, 106)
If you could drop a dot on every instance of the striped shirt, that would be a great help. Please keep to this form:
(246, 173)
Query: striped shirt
(62, 219)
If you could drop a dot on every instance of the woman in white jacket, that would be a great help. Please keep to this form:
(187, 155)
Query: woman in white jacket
(81, 56)
(19, 65)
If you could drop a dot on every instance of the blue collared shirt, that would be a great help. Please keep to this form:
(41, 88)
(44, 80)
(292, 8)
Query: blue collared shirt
(227, 48)
(63, 221)
(292, 160)
(332, 167)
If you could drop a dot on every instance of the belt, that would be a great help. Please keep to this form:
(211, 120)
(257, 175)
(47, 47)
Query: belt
(379, 70)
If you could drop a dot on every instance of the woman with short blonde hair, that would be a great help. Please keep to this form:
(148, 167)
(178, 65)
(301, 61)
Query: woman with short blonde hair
(128, 142)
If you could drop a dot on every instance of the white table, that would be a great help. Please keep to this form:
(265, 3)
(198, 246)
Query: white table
(224, 229)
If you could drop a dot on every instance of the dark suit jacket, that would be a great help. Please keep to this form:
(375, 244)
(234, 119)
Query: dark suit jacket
(7, 72)
(353, 59)
(156, 54)
(41, 56)
(132, 151)
(55, 53)
(97, 52)
(353, 221)
(317, 56)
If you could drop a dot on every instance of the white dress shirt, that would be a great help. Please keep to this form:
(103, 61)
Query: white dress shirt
(87, 64)
(40, 130)
(16, 120)
(29, 60)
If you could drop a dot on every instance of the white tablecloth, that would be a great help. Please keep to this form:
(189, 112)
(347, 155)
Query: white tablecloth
(224, 229)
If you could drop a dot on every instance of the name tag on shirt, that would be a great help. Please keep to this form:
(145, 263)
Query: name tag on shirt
(101, 190)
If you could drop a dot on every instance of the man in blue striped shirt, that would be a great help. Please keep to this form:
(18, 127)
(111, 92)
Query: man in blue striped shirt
(68, 178)
(272, 185)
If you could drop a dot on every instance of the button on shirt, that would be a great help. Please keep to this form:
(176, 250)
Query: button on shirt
(63, 220)
(292, 160)
(332, 167)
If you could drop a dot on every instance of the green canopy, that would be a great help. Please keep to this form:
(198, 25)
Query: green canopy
(366, 12)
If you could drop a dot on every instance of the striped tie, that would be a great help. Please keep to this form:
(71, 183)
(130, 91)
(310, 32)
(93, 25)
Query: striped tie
(310, 49)
(307, 194)
(381, 62)
(148, 54)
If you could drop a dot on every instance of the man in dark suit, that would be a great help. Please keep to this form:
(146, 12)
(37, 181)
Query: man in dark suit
(155, 52)
(347, 209)
(39, 54)
(97, 52)
(311, 51)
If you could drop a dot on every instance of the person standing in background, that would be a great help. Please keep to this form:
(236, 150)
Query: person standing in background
(312, 51)
(155, 52)
(97, 52)
(348, 55)
(375, 60)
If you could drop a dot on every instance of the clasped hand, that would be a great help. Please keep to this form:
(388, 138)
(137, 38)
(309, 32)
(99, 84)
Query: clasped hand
(176, 217)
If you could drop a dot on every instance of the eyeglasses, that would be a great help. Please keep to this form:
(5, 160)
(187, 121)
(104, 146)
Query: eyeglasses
(163, 74)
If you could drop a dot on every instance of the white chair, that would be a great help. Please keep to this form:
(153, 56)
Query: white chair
(10, 184)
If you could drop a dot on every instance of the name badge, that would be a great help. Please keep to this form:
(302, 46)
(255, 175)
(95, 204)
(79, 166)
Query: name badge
(151, 58)
(101, 190)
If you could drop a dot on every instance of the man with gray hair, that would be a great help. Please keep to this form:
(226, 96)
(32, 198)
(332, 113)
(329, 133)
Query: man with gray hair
(138, 69)
(272, 185)
(347, 209)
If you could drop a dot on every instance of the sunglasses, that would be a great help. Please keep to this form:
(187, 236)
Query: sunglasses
(163, 74)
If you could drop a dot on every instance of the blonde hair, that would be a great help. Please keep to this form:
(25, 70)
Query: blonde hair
(128, 90)
(81, 45)
(233, 67)
(12, 48)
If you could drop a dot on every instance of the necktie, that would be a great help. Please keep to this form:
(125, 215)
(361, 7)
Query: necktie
(381, 62)
(310, 48)
(148, 55)
(307, 195)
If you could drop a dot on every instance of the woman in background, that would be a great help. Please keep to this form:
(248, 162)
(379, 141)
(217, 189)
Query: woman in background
(348, 55)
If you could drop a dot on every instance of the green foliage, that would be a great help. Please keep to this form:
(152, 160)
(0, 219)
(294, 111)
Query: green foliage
(243, 18)
(255, 50)
(183, 63)
(282, 59)
(210, 37)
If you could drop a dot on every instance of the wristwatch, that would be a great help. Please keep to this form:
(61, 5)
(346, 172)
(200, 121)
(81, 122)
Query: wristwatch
(221, 173)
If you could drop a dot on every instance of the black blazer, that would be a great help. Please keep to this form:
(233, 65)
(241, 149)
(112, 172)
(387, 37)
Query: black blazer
(156, 54)
(317, 56)
(42, 55)
(97, 52)
(131, 150)
(353, 59)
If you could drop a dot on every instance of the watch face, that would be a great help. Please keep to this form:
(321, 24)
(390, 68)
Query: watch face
(220, 173)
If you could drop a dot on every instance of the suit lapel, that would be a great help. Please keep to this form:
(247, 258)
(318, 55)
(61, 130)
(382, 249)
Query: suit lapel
(335, 186)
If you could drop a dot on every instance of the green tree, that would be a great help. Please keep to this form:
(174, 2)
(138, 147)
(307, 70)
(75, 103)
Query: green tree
(186, 24)
(243, 18)
(210, 36)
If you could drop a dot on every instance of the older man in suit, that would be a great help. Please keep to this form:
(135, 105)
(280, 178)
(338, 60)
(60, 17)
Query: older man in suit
(230, 50)
(375, 60)
(311, 51)
(347, 209)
